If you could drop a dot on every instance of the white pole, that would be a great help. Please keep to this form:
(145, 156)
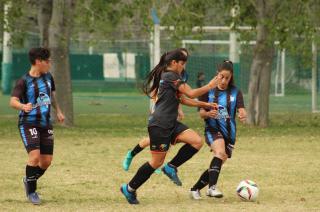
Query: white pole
(283, 69)
(7, 54)
(276, 80)
(156, 43)
(314, 77)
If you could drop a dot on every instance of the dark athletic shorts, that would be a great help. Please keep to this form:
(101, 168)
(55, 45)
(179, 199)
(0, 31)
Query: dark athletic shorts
(211, 135)
(161, 139)
(37, 138)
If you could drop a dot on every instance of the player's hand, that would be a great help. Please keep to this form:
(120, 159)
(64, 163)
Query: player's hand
(60, 117)
(26, 107)
(214, 82)
(212, 114)
(242, 115)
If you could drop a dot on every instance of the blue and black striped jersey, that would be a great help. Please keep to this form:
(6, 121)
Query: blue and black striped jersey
(35, 90)
(225, 121)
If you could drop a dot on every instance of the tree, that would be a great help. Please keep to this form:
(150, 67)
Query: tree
(44, 17)
(272, 22)
(59, 37)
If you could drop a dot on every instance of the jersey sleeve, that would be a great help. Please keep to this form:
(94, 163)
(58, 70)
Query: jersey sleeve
(53, 86)
(173, 79)
(240, 102)
(203, 98)
(19, 89)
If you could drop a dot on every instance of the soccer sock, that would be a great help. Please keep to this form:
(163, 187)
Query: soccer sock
(40, 172)
(136, 150)
(142, 175)
(185, 153)
(31, 177)
(202, 182)
(214, 171)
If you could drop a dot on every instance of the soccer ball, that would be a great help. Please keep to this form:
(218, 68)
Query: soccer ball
(248, 190)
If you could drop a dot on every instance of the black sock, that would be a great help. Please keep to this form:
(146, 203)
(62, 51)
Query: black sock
(31, 177)
(202, 182)
(214, 171)
(185, 153)
(136, 150)
(142, 175)
(40, 172)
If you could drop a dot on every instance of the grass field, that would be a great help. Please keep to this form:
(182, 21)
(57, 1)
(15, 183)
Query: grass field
(86, 171)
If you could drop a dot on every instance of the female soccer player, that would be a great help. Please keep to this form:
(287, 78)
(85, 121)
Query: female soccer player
(33, 95)
(220, 127)
(143, 143)
(165, 81)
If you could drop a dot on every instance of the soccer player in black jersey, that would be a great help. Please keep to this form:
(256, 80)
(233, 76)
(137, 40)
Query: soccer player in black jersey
(166, 83)
(33, 95)
(220, 127)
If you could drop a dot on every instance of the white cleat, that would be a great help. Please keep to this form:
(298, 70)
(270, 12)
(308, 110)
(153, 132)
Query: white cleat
(195, 195)
(214, 192)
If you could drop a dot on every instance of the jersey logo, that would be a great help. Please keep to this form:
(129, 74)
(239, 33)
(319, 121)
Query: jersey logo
(42, 100)
(222, 113)
(232, 98)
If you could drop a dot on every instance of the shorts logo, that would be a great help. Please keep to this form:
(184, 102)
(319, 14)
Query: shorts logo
(162, 147)
(42, 100)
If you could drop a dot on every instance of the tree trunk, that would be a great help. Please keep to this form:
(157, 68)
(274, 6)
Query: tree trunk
(44, 17)
(60, 26)
(260, 73)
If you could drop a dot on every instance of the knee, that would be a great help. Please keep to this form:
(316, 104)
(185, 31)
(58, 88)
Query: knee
(34, 160)
(222, 155)
(45, 164)
(198, 143)
(156, 164)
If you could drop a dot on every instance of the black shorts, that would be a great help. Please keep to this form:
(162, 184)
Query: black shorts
(161, 139)
(37, 138)
(211, 135)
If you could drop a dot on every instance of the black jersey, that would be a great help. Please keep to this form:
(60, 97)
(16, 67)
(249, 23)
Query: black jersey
(168, 100)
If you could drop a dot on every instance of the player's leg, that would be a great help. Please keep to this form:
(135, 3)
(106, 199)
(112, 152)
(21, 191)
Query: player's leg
(220, 156)
(160, 143)
(193, 143)
(131, 153)
(46, 150)
(31, 140)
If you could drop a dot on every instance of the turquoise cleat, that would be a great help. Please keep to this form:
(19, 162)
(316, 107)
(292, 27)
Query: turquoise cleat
(171, 172)
(127, 161)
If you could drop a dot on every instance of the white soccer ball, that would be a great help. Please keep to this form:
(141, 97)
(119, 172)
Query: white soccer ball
(248, 190)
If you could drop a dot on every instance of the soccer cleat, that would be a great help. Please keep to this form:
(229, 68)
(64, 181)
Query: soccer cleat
(195, 195)
(34, 198)
(130, 196)
(171, 172)
(214, 192)
(127, 161)
(26, 188)
(157, 171)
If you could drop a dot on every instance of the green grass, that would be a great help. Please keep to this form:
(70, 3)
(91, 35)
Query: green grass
(86, 171)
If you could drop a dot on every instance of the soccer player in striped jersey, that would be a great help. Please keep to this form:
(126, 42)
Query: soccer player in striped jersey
(165, 81)
(33, 95)
(220, 127)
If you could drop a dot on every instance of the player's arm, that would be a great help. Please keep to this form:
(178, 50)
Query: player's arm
(242, 113)
(193, 93)
(16, 104)
(56, 106)
(195, 103)
(17, 93)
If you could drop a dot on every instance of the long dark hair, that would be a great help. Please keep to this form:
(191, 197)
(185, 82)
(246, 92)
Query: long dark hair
(228, 66)
(151, 84)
